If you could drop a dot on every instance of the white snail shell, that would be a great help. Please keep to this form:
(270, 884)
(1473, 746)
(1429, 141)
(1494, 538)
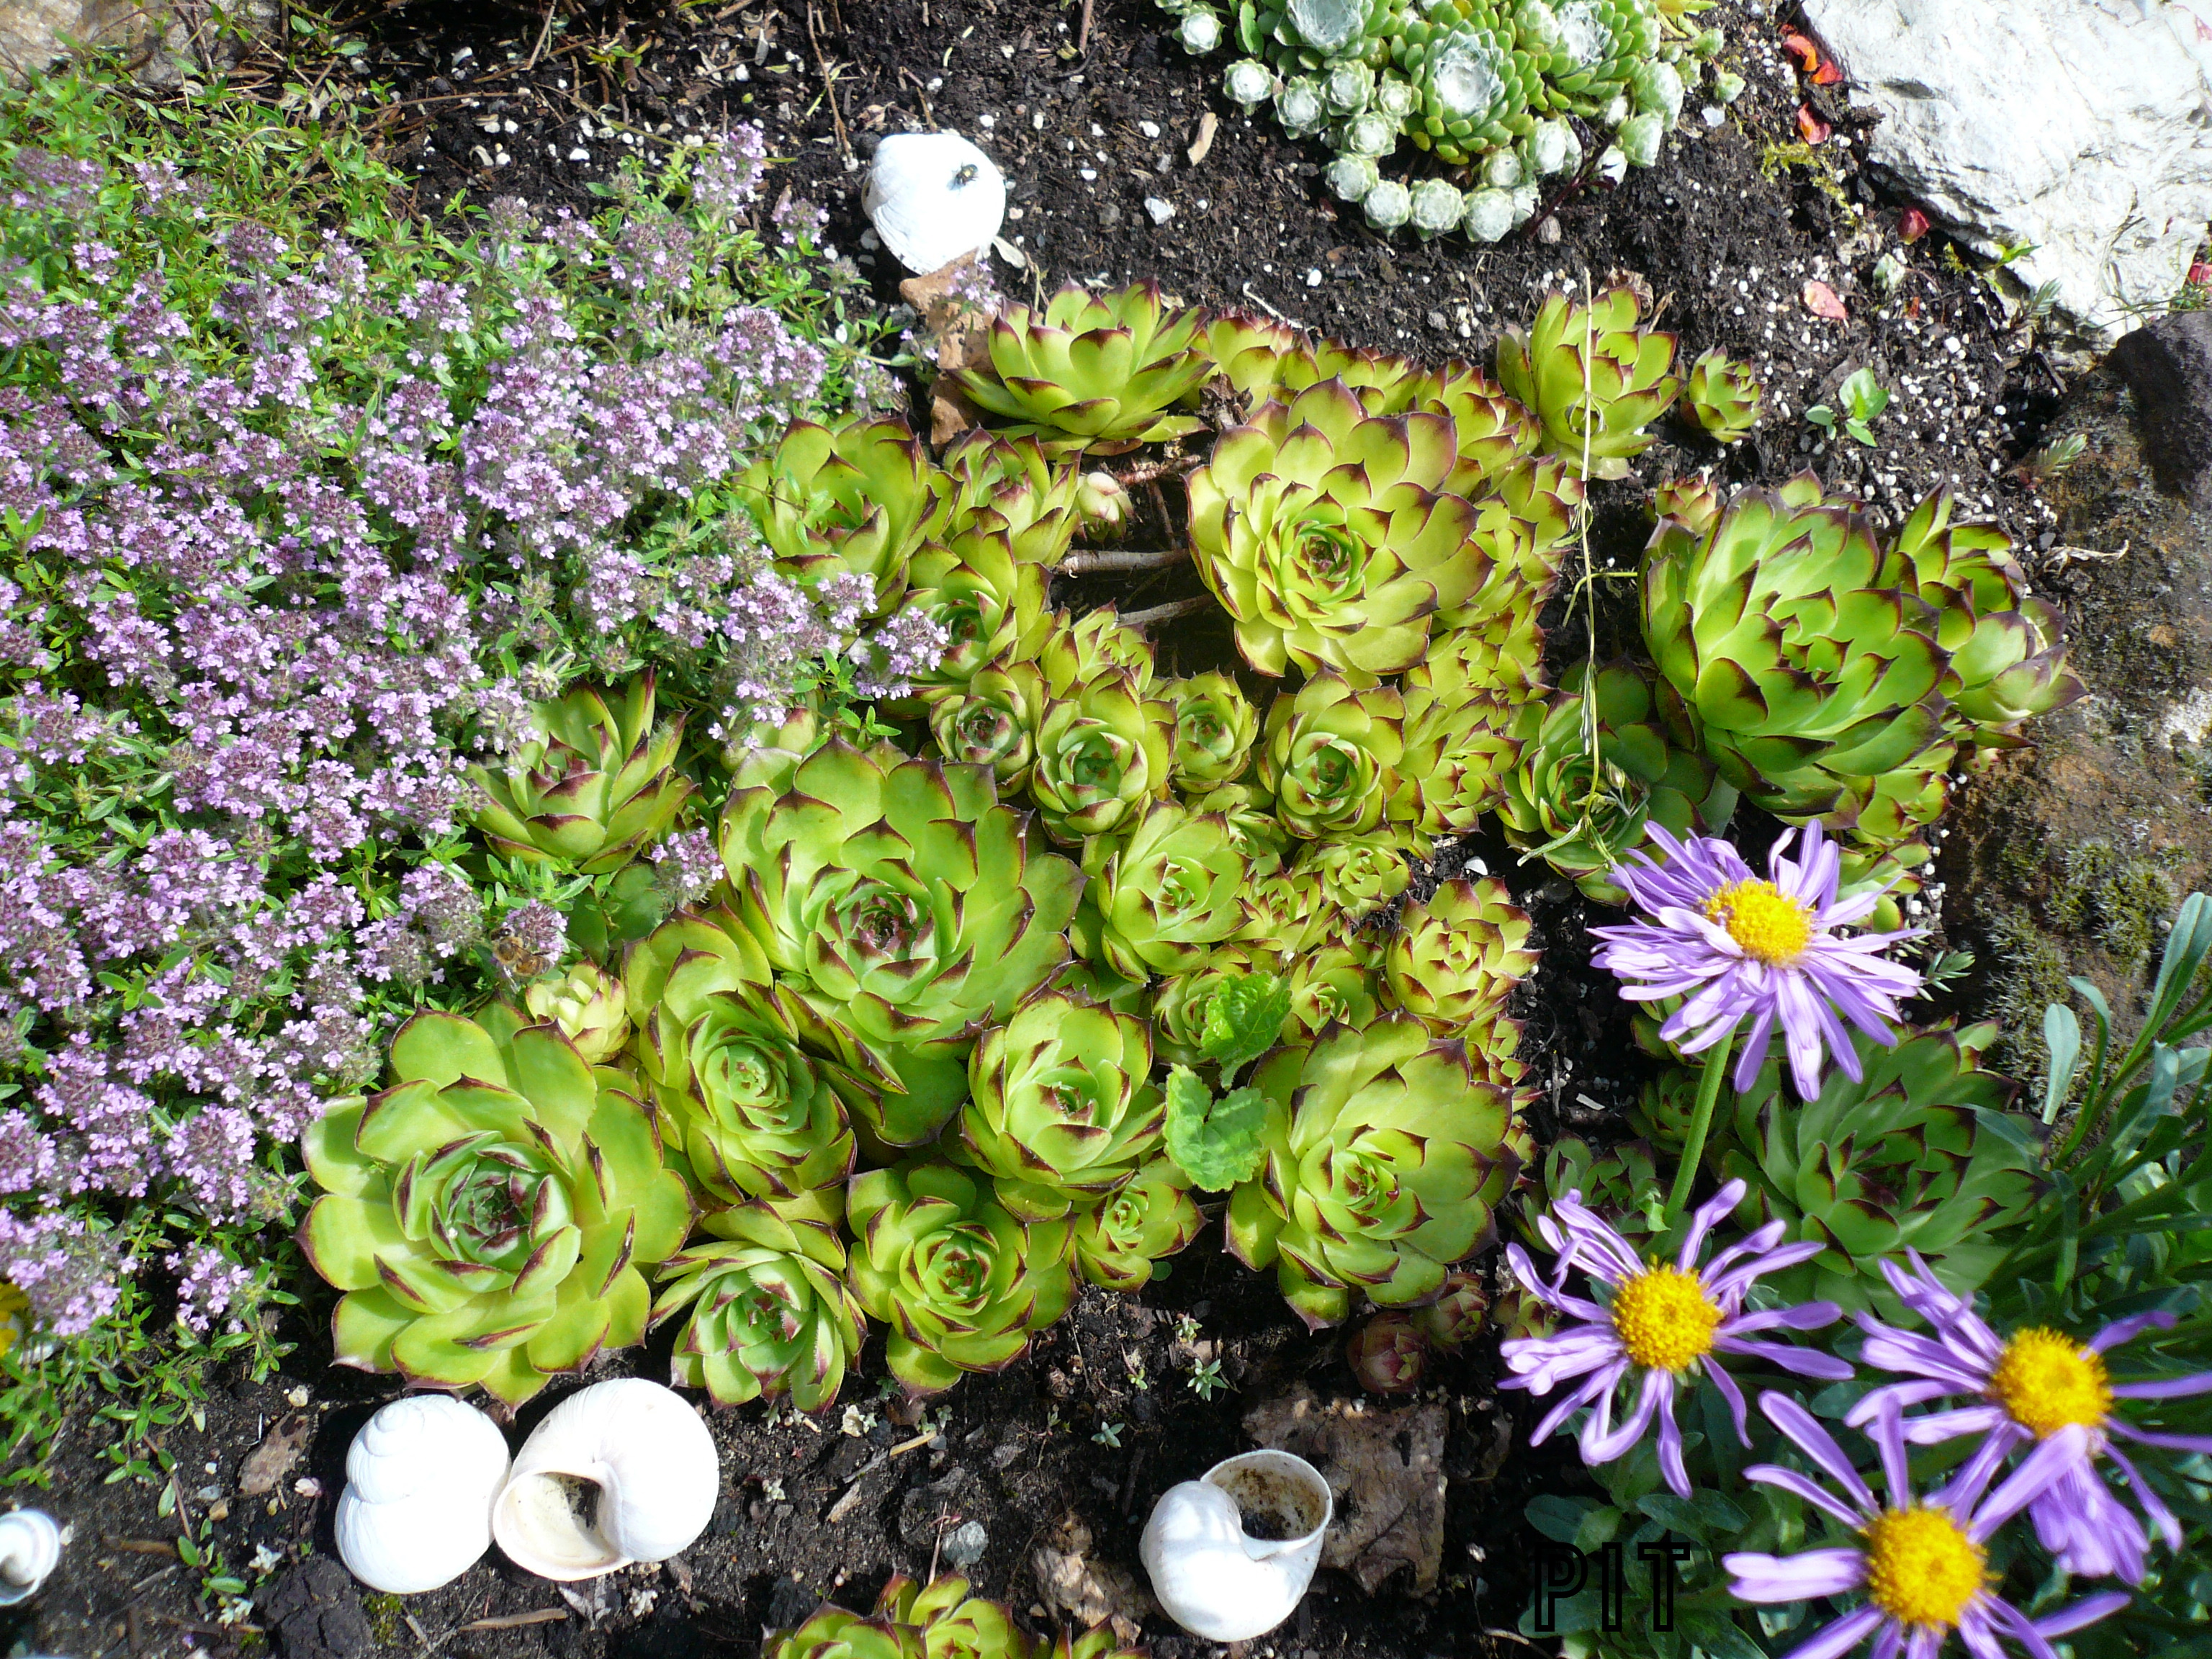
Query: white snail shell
(933, 197)
(30, 1548)
(620, 1472)
(1216, 1579)
(416, 1509)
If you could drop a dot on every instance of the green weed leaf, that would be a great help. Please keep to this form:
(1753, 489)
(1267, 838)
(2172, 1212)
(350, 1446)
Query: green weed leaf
(1244, 1019)
(1215, 1142)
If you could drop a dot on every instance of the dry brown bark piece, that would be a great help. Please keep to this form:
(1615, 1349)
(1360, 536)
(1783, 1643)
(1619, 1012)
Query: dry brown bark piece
(1387, 1469)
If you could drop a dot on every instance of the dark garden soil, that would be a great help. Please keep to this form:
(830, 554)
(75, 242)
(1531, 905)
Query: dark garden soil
(1066, 1450)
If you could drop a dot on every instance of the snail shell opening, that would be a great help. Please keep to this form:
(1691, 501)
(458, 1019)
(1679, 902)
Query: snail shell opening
(558, 1515)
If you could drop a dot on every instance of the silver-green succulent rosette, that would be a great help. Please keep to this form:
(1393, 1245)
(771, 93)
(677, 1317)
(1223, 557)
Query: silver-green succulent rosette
(489, 1213)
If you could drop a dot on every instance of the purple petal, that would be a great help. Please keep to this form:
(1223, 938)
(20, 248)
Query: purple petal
(1806, 1362)
(1840, 1637)
(2083, 1614)
(1818, 1444)
(1796, 1578)
(2169, 1387)
(1601, 1447)
(2126, 1330)
(1707, 1215)
(2051, 1460)
(1773, 1474)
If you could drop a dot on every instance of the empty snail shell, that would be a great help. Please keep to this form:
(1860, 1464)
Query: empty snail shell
(30, 1548)
(416, 1509)
(620, 1472)
(933, 197)
(1213, 1571)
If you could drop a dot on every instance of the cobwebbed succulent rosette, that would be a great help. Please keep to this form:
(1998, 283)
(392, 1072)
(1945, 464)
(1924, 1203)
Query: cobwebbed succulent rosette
(1010, 487)
(1462, 729)
(1358, 877)
(1379, 1142)
(769, 1316)
(1723, 397)
(1102, 372)
(1148, 1218)
(1907, 1158)
(835, 1632)
(1104, 753)
(1583, 813)
(1594, 49)
(962, 1283)
(1455, 959)
(954, 1624)
(594, 785)
(1628, 372)
(1309, 34)
(1333, 982)
(1827, 677)
(856, 500)
(1215, 727)
(488, 1214)
(991, 721)
(1324, 532)
(1171, 892)
(1061, 1109)
(588, 1004)
(990, 604)
(1330, 757)
(896, 898)
(1478, 90)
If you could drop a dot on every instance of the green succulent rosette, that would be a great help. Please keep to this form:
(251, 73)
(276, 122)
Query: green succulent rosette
(1308, 34)
(1620, 1182)
(1455, 960)
(1148, 1218)
(1829, 677)
(1178, 1002)
(901, 902)
(1494, 431)
(1478, 90)
(1009, 487)
(1332, 983)
(1104, 753)
(1358, 876)
(1384, 383)
(1380, 1141)
(991, 721)
(954, 1624)
(1592, 49)
(1170, 892)
(962, 1283)
(1330, 757)
(1723, 397)
(1078, 649)
(1288, 913)
(1524, 523)
(486, 1214)
(990, 604)
(1215, 727)
(1693, 501)
(589, 1005)
(1249, 812)
(855, 499)
(1924, 1154)
(1593, 379)
(835, 1632)
(769, 1316)
(1248, 352)
(1583, 813)
(1326, 534)
(593, 785)
(1060, 1109)
(1462, 729)
(1102, 372)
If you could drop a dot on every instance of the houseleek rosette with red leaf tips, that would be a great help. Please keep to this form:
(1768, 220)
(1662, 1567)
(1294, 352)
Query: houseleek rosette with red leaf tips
(488, 1214)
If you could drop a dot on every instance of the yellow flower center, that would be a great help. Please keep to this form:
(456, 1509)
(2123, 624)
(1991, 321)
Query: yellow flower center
(1921, 1568)
(2047, 1381)
(1772, 926)
(1665, 1319)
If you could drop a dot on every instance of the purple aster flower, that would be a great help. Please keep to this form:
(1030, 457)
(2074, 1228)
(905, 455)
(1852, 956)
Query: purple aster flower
(2029, 1387)
(1667, 1323)
(1922, 1564)
(1735, 945)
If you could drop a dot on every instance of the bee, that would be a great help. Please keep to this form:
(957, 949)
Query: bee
(967, 175)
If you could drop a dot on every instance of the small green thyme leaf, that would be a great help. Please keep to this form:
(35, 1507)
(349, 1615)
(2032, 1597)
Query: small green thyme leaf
(1215, 1142)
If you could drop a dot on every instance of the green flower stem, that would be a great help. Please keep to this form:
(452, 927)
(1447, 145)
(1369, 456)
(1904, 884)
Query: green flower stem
(1701, 1121)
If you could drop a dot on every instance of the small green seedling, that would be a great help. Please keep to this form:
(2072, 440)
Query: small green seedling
(1863, 397)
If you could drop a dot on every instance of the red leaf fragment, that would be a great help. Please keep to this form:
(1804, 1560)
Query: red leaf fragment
(1912, 224)
(2200, 274)
(1807, 54)
(1828, 74)
(1824, 301)
(1815, 129)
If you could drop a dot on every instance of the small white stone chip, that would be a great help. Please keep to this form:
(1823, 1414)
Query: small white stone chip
(1162, 212)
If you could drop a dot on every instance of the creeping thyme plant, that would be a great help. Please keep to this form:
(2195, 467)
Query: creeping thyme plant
(525, 776)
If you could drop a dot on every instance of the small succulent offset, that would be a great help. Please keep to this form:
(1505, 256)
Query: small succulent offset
(1456, 958)
(962, 1282)
(1102, 372)
(1863, 397)
(594, 785)
(1723, 397)
(1384, 1147)
(488, 1214)
(1170, 893)
(1592, 378)
(854, 501)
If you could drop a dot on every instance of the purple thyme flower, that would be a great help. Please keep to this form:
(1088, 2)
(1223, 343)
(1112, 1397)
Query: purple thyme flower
(1922, 1564)
(1668, 1323)
(1733, 945)
(2030, 1386)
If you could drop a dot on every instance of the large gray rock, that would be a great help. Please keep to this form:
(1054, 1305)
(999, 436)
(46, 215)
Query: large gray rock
(2167, 364)
(2083, 126)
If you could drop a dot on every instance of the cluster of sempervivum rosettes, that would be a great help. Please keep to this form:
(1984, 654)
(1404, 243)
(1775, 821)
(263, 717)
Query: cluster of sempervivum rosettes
(877, 1029)
(936, 1620)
